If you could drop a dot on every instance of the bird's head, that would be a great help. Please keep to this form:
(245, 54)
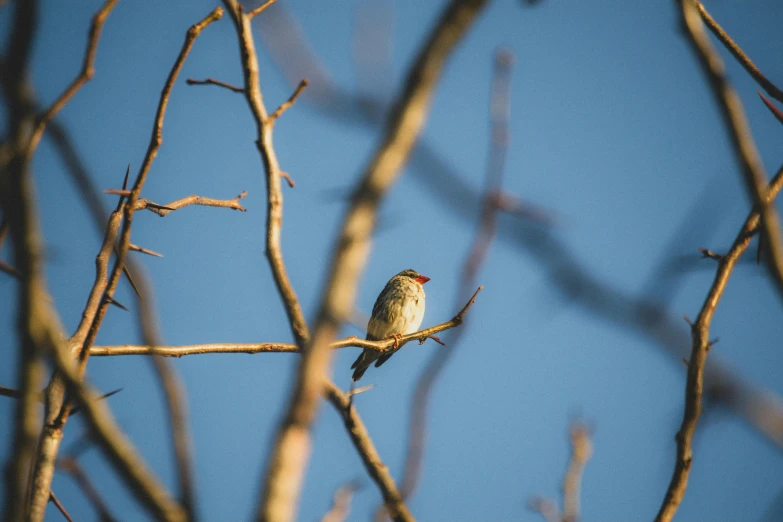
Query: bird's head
(421, 279)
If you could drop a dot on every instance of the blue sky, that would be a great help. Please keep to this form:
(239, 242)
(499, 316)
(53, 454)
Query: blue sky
(612, 128)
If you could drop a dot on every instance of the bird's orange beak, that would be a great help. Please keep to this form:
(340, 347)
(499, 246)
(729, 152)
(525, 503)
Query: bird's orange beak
(422, 279)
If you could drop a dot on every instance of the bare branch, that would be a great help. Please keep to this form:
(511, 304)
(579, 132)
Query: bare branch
(163, 210)
(287, 104)
(741, 138)
(212, 81)
(581, 451)
(499, 113)
(382, 346)
(260, 9)
(341, 505)
(394, 503)
(71, 466)
(701, 343)
(738, 53)
(38, 327)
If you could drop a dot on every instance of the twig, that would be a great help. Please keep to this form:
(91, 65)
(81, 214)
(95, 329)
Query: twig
(59, 505)
(136, 248)
(741, 138)
(737, 52)
(163, 210)
(287, 104)
(700, 334)
(393, 501)
(260, 9)
(341, 504)
(581, 451)
(212, 81)
(71, 466)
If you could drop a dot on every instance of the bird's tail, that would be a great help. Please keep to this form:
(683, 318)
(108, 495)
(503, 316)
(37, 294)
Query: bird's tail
(365, 360)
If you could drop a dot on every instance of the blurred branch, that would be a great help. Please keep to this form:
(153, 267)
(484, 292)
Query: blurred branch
(341, 505)
(701, 343)
(289, 456)
(737, 52)
(394, 502)
(581, 451)
(382, 346)
(72, 467)
(85, 75)
(499, 109)
(740, 134)
(38, 327)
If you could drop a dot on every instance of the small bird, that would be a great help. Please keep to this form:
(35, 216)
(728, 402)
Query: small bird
(399, 310)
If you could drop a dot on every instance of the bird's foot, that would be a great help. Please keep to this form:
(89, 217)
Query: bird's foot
(397, 338)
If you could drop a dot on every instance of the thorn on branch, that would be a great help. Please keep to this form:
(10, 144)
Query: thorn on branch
(147, 251)
(113, 301)
(284, 107)
(434, 338)
(773, 109)
(212, 81)
(711, 342)
(709, 254)
(688, 320)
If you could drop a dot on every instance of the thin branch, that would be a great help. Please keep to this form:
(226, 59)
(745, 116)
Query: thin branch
(38, 326)
(737, 52)
(741, 138)
(59, 505)
(289, 457)
(85, 75)
(72, 467)
(383, 346)
(212, 81)
(341, 503)
(581, 451)
(701, 343)
(163, 210)
(264, 143)
(260, 9)
(288, 103)
(136, 248)
(394, 502)
(499, 114)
